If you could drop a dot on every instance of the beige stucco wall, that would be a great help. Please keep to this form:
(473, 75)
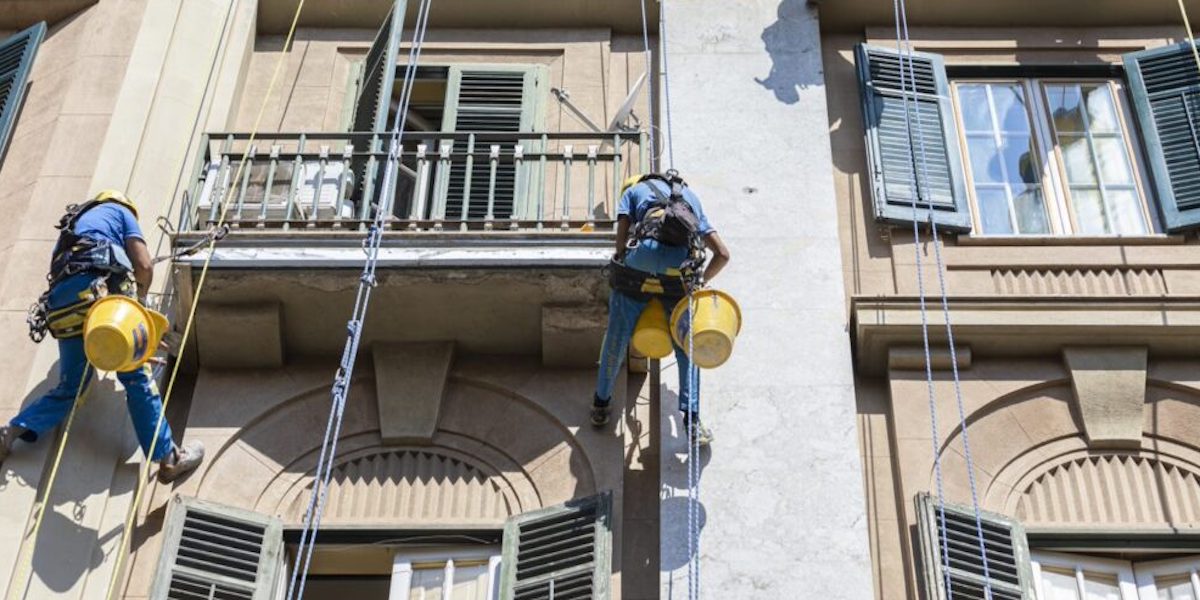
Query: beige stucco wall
(506, 419)
(1027, 425)
(116, 92)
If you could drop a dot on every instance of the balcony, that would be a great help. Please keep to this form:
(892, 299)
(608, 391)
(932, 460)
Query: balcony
(497, 238)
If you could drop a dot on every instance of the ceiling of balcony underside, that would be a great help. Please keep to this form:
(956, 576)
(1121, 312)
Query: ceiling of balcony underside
(274, 16)
(852, 15)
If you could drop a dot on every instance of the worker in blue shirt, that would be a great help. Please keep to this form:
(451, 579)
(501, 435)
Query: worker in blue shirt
(100, 250)
(661, 229)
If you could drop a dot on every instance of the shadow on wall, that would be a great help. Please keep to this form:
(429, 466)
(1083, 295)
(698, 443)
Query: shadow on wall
(29, 463)
(675, 552)
(795, 62)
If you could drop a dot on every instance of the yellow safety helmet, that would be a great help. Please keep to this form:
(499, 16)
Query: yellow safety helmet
(631, 181)
(117, 196)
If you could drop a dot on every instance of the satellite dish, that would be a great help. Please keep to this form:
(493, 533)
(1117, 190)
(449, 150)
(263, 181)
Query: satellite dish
(627, 106)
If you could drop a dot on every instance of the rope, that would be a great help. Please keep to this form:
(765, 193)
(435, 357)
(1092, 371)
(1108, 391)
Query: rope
(649, 66)
(693, 458)
(367, 282)
(904, 47)
(693, 375)
(123, 548)
(1187, 25)
(24, 570)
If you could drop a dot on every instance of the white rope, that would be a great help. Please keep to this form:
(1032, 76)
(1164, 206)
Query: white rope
(692, 417)
(367, 282)
(693, 460)
(904, 49)
(649, 58)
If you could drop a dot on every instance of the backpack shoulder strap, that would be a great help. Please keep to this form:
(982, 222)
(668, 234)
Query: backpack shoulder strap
(74, 211)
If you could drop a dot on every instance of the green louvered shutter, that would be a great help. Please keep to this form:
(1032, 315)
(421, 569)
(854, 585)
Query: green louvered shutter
(935, 157)
(375, 89)
(492, 99)
(16, 60)
(217, 552)
(1007, 554)
(559, 553)
(1165, 85)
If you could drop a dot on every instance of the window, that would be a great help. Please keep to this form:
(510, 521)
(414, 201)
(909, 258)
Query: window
(16, 60)
(1049, 156)
(462, 573)
(1033, 156)
(1079, 577)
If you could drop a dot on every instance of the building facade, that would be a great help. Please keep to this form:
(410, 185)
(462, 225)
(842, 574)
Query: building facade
(465, 461)
(1053, 147)
(1053, 144)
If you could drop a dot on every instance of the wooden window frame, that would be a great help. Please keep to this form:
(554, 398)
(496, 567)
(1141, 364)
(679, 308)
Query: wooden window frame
(1081, 564)
(403, 561)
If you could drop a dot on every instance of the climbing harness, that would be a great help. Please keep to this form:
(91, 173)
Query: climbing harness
(643, 286)
(908, 74)
(73, 255)
(354, 327)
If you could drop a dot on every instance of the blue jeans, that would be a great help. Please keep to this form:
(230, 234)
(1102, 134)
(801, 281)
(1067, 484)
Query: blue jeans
(623, 313)
(141, 393)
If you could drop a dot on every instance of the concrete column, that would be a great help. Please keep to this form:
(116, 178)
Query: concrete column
(783, 514)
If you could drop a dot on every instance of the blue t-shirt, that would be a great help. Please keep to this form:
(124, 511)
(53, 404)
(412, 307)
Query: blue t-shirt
(651, 256)
(109, 221)
(113, 223)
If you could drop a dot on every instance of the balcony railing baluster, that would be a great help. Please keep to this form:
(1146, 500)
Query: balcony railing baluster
(272, 165)
(591, 189)
(467, 173)
(568, 162)
(442, 190)
(294, 186)
(493, 163)
(417, 211)
(343, 181)
(522, 189)
(245, 183)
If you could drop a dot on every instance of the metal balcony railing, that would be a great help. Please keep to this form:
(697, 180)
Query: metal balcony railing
(458, 181)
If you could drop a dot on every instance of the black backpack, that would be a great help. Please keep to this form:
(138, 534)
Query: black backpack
(670, 220)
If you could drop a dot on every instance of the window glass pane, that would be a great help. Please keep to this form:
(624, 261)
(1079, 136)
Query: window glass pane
(471, 582)
(1101, 587)
(1125, 212)
(1175, 588)
(1010, 108)
(986, 165)
(993, 211)
(1005, 168)
(1114, 161)
(1077, 158)
(1065, 110)
(1059, 585)
(975, 112)
(1102, 115)
(1019, 163)
(427, 584)
(1031, 211)
(1089, 212)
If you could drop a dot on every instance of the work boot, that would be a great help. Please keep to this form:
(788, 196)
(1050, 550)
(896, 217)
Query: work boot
(600, 412)
(8, 436)
(182, 461)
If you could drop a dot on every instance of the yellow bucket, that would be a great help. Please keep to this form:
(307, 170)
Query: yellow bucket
(717, 321)
(651, 337)
(120, 334)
